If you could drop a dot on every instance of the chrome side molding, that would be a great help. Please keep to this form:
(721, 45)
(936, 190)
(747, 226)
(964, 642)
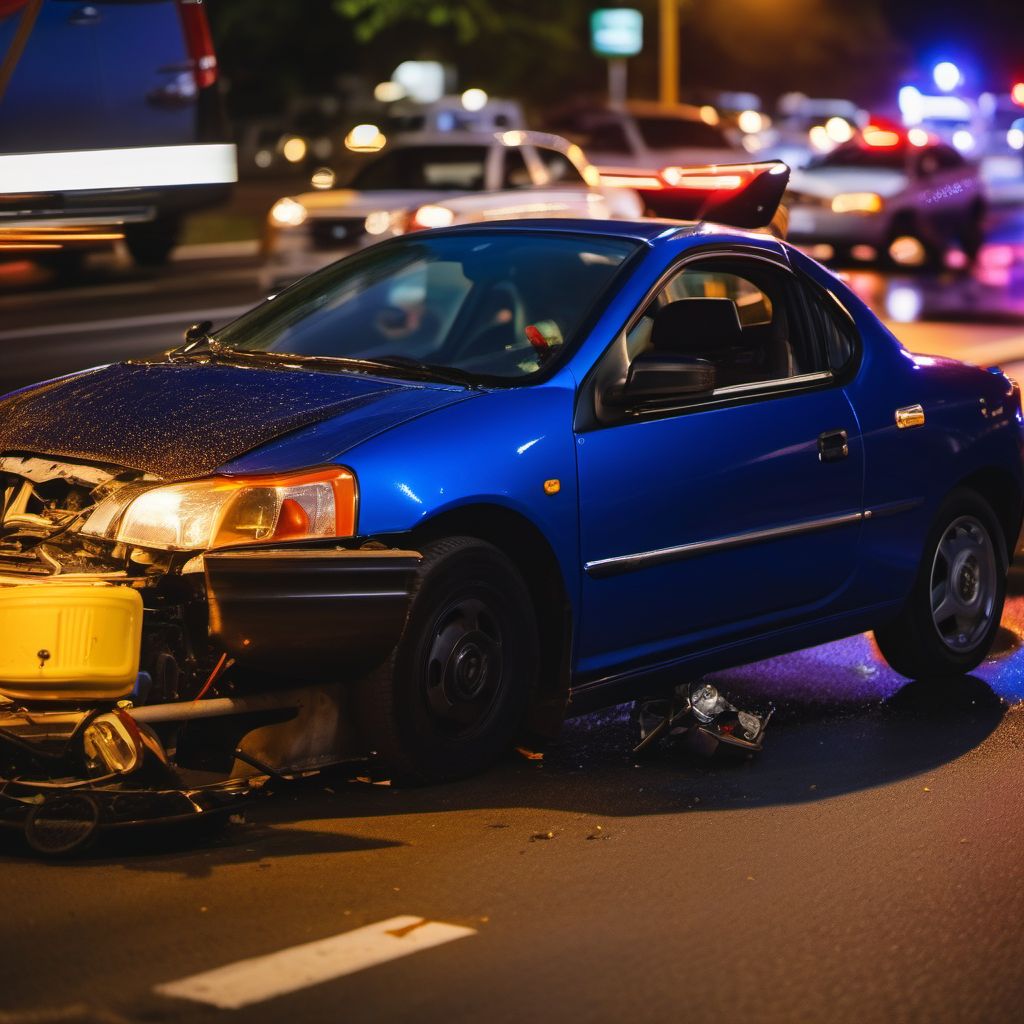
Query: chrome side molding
(618, 564)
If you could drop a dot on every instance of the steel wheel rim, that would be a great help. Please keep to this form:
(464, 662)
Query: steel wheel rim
(464, 667)
(963, 584)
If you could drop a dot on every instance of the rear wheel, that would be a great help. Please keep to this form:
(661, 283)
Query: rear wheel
(150, 244)
(972, 235)
(952, 616)
(449, 700)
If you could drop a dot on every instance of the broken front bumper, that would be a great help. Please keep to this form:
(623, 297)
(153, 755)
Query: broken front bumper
(297, 621)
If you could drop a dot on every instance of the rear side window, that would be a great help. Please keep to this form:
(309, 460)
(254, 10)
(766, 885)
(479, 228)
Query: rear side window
(561, 170)
(678, 132)
(832, 326)
(517, 174)
(461, 168)
(606, 137)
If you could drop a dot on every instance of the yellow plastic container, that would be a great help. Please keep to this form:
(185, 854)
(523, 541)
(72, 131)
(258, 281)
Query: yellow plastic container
(68, 641)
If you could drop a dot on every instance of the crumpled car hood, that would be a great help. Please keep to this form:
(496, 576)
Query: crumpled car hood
(183, 420)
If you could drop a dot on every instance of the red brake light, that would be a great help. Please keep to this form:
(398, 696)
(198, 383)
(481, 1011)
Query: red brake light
(706, 179)
(1017, 94)
(199, 42)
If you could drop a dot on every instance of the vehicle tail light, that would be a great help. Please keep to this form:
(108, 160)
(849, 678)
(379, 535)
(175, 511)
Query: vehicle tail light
(705, 179)
(199, 42)
(631, 179)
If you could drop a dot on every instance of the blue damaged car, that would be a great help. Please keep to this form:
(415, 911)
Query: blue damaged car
(468, 481)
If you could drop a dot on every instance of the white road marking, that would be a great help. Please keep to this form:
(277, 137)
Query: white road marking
(126, 323)
(289, 970)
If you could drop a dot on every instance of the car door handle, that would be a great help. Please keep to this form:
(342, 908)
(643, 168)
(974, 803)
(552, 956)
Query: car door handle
(833, 445)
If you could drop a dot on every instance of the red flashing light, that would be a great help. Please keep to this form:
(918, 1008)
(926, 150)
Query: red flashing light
(199, 42)
(1017, 94)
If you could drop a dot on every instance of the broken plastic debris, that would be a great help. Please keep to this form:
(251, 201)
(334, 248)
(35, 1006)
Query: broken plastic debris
(530, 755)
(701, 713)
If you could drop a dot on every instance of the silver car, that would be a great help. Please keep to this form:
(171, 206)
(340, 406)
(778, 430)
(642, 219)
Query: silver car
(431, 180)
(882, 198)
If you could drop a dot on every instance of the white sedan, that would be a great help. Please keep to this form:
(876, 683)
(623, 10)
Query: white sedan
(435, 180)
(885, 196)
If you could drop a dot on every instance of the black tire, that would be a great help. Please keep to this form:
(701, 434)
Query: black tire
(972, 235)
(453, 694)
(150, 244)
(67, 267)
(914, 643)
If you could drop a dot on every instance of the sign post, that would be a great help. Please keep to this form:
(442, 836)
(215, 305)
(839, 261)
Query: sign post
(616, 33)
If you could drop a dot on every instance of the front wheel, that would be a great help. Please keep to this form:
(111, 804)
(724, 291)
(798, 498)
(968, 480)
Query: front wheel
(952, 615)
(450, 698)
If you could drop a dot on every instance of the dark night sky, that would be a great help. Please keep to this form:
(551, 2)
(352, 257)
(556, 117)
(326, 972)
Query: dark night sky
(863, 49)
(986, 35)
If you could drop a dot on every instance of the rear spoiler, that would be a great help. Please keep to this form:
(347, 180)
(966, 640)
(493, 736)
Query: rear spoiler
(740, 195)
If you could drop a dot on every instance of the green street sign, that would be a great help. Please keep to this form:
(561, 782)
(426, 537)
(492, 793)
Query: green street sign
(617, 32)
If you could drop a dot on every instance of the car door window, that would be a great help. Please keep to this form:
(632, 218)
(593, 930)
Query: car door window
(606, 137)
(561, 170)
(747, 321)
(517, 174)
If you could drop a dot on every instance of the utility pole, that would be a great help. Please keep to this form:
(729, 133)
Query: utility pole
(668, 38)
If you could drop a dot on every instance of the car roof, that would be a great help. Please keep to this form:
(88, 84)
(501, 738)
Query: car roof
(648, 230)
(463, 137)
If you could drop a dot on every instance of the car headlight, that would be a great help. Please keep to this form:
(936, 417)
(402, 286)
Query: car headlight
(225, 511)
(287, 213)
(112, 744)
(857, 202)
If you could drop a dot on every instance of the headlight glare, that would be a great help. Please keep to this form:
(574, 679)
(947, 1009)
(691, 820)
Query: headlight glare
(287, 213)
(857, 202)
(225, 511)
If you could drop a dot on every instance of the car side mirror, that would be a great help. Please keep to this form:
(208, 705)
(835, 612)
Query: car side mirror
(197, 331)
(659, 376)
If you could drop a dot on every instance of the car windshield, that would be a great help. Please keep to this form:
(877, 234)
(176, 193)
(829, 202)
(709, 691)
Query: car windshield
(680, 133)
(424, 168)
(855, 155)
(483, 305)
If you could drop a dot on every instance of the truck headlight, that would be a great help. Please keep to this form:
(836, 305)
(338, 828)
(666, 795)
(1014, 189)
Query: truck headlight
(225, 511)
(857, 202)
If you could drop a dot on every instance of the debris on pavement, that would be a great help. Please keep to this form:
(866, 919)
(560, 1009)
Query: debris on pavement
(699, 712)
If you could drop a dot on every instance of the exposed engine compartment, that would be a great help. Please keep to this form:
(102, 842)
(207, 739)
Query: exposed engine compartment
(44, 505)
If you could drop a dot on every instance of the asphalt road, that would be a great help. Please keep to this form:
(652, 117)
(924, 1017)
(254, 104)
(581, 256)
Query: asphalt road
(867, 866)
